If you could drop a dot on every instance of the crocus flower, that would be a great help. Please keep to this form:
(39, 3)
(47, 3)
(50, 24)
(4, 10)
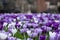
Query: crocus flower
(5, 24)
(3, 36)
(28, 16)
(33, 34)
(52, 35)
(12, 30)
(38, 30)
(24, 30)
(42, 37)
(1, 24)
(48, 29)
(29, 39)
(11, 38)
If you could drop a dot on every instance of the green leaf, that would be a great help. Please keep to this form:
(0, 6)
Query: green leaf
(19, 35)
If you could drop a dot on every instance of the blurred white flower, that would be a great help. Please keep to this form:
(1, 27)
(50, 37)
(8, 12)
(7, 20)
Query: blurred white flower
(52, 35)
(3, 36)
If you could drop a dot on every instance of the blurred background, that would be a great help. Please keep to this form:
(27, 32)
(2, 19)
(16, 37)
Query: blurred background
(32, 6)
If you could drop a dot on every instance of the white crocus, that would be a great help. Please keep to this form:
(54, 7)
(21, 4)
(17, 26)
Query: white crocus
(3, 36)
(29, 32)
(12, 24)
(13, 31)
(57, 21)
(52, 35)
(5, 24)
(20, 23)
(38, 15)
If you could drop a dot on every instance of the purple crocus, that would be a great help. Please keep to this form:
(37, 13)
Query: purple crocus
(24, 30)
(42, 37)
(1, 24)
(38, 30)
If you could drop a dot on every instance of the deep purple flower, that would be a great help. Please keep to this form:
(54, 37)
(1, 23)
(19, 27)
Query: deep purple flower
(42, 37)
(29, 16)
(1, 24)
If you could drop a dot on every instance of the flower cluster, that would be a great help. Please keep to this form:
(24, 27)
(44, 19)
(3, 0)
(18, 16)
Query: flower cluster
(30, 26)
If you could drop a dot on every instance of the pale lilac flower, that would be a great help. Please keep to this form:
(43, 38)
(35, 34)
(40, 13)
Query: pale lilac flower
(33, 34)
(48, 29)
(11, 38)
(24, 30)
(29, 39)
(38, 30)
(52, 35)
(3, 35)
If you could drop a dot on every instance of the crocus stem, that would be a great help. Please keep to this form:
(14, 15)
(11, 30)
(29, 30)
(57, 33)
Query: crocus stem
(24, 36)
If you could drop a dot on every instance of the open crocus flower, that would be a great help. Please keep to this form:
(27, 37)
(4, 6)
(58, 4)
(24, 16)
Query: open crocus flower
(4, 35)
(12, 30)
(38, 30)
(24, 30)
(32, 34)
(52, 35)
(30, 25)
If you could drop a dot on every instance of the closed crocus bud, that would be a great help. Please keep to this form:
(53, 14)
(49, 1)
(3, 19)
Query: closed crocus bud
(52, 35)
(29, 39)
(20, 23)
(28, 32)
